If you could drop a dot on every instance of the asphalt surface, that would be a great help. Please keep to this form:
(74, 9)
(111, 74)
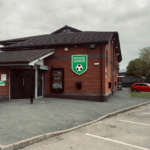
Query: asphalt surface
(126, 131)
(21, 120)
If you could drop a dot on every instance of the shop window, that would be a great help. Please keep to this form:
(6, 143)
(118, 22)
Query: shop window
(57, 79)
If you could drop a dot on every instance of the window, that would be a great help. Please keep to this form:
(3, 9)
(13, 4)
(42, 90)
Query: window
(57, 79)
(137, 84)
(144, 85)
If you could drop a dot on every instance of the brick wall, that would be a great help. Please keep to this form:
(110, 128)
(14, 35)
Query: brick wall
(110, 73)
(91, 79)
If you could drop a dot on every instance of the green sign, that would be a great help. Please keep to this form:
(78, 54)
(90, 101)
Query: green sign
(2, 83)
(79, 64)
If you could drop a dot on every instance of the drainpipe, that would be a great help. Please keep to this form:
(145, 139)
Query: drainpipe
(113, 66)
(101, 73)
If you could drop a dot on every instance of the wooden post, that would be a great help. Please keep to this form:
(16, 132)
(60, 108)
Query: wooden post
(32, 78)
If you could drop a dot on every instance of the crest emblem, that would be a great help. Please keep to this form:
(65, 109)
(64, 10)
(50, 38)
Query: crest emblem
(79, 64)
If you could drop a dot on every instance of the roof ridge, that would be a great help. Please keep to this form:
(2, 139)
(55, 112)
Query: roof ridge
(64, 28)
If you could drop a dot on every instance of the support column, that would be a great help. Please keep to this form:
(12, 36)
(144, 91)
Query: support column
(36, 81)
(32, 85)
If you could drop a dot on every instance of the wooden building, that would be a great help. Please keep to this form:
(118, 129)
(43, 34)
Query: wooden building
(68, 63)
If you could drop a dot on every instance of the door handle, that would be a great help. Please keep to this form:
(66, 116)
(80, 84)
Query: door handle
(23, 82)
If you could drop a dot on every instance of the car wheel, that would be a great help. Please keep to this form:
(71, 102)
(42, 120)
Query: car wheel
(134, 90)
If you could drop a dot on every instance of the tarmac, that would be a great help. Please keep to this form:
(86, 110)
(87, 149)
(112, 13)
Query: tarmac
(125, 131)
(21, 120)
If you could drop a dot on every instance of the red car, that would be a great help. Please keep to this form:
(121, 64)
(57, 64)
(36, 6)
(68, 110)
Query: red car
(145, 87)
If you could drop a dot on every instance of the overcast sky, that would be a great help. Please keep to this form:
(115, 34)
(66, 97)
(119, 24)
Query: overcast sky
(131, 18)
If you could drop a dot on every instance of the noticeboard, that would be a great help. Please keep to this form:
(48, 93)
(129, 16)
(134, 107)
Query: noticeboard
(3, 77)
(2, 83)
(57, 79)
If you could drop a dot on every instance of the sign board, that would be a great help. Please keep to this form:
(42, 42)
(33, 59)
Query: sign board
(2, 83)
(57, 79)
(3, 77)
(79, 64)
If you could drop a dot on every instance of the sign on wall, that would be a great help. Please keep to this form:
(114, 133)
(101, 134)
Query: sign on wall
(57, 79)
(2, 83)
(79, 64)
(3, 77)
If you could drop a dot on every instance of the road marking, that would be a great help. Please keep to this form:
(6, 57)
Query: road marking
(135, 122)
(130, 145)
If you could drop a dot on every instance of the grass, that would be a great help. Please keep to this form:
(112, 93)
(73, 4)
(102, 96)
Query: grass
(140, 94)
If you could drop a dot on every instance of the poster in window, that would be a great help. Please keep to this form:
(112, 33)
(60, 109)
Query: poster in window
(57, 79)
(3, 77)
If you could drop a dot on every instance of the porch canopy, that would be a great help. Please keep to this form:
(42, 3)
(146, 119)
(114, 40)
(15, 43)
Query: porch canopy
(24, 57)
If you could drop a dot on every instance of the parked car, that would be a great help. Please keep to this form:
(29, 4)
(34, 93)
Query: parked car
(137, 87)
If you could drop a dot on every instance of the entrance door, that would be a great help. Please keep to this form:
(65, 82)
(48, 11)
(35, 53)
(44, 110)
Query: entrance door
(39, 82)
(20, 84)
(16, 84)
(26, 83)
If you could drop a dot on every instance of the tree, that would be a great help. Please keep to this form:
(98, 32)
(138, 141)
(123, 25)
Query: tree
(145, 55)
(137, 68)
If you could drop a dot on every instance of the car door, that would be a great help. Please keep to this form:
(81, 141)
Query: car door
(148, 88)
(145, 87)
(138, 87)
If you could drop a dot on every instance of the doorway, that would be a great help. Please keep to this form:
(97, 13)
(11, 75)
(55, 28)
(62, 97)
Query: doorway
(20, 83)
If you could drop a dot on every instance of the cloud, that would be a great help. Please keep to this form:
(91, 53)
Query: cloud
(129, 17)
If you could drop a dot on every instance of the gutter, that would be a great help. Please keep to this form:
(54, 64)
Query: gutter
(113, 45)
(101, 74)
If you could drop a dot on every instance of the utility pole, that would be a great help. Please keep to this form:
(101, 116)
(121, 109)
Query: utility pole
(146, 77)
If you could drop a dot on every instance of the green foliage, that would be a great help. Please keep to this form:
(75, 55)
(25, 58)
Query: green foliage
(137, 68)
(145, 55)
(140, 67)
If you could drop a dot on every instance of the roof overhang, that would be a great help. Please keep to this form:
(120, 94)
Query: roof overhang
(32, 63)
(41, 58)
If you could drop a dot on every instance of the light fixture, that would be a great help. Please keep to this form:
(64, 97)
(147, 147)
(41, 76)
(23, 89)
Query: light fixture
(92, 46)
(66, 49)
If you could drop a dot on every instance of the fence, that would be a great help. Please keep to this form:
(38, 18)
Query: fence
(129, 81)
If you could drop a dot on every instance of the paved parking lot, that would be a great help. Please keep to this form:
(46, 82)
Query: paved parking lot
(127, 131)
(21, 120)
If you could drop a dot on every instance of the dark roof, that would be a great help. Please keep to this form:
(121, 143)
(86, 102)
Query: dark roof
(24, 56)
(13, 41)
(60, 38)
(63, 39)
(66, 29)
